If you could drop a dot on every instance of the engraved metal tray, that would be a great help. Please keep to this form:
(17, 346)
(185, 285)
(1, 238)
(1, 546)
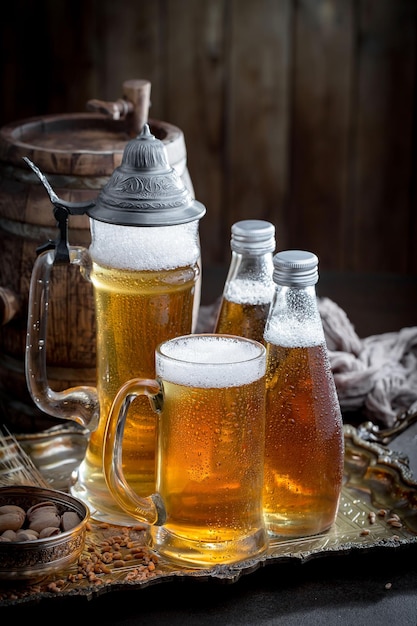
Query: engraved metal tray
(378, 509)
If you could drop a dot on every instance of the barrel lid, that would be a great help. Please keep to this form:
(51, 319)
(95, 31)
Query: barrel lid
(84, 145)
(145, 190)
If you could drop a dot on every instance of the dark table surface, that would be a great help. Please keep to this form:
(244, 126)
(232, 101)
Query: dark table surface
(351, 590)
(376, 587)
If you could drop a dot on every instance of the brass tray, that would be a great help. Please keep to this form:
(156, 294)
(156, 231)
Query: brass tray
(378, 508)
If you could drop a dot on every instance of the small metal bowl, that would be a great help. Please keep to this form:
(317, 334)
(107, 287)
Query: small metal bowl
(38, 558)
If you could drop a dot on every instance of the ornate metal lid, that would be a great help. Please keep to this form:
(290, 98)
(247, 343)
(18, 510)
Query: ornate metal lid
(145, 190)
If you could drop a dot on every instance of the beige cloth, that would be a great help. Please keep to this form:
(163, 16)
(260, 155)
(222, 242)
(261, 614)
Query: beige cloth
(377, 374)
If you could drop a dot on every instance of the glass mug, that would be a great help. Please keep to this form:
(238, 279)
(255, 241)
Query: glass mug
(209, 403)
(144, 267)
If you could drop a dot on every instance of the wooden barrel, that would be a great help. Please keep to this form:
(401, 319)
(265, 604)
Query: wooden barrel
(77, 153)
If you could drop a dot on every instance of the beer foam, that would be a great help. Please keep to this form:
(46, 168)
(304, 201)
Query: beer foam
(144, 248)
(209, 361)
(294, 333)
(249, 292)
(294, 320)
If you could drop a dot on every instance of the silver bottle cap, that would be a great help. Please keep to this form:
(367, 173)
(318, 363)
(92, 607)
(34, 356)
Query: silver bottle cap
(145, 190)
(295, 268)
(253, 237)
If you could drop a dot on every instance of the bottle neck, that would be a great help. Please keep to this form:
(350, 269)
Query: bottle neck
(250, 278)
(257, 267)
(294, 319)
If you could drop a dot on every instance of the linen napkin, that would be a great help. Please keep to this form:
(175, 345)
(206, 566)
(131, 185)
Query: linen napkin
(378, 373)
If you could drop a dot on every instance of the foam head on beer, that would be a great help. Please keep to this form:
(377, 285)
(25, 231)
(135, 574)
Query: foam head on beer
(145, 248)
(233, 362)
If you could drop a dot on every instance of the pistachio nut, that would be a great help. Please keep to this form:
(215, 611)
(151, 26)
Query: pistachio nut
(49, 531)
(9, 534)
(26, 535)
(69, 519)
(10, 521)
(43, 517)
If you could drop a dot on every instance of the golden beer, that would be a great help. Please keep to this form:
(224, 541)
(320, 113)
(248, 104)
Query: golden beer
(135, 310)
(209, 392)
(210, 456)
(303, 441)
(242, 318)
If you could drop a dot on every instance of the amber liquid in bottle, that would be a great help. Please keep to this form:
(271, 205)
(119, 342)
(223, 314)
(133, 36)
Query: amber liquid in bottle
(303, 469)
(246, 319)
(304, 446)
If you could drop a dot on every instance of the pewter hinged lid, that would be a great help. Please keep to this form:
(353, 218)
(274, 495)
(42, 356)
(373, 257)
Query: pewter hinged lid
(145, 190)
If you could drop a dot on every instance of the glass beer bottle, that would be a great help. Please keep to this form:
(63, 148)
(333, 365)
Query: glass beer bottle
(304, 431)
(249, 287)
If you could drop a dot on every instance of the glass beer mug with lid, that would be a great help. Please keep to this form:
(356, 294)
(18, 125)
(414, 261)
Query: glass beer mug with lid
(144, 265)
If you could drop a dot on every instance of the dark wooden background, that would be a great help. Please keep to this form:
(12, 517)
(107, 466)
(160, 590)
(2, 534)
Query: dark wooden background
(301, 112)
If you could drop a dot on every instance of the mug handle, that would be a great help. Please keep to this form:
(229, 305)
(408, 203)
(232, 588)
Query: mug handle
(148, 509)
(79, 404)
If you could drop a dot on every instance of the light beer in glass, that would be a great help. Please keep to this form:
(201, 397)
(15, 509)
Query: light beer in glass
(139, 304)
(210, 393)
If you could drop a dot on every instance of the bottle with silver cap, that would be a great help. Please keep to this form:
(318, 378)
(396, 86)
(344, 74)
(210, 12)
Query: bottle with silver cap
(304, 430)
(249, 287)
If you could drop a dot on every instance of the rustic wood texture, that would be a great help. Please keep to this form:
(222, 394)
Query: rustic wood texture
(302, 112)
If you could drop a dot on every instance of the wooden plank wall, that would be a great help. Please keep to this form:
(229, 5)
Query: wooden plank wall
(301, 112)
